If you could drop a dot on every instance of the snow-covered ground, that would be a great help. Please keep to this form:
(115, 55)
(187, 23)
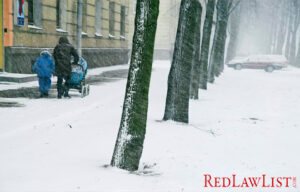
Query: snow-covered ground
(13, 85)
(247, 124)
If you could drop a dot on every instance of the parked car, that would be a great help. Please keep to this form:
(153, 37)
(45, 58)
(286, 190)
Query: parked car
(267, 62)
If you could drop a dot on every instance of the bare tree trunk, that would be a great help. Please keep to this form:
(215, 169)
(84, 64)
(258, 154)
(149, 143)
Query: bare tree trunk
(296, 12)
(129, 144)
(284, 19)
(217, 53)
(195, 78)
(233, 32)
(221, 55)
(274, 36)
(210, 7)
(288, 40)
(297, 59)
(177, 101)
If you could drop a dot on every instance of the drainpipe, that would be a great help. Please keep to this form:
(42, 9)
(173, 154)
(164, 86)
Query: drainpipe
(79, 26)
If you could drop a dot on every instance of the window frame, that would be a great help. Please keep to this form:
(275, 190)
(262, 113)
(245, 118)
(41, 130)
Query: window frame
(98, 18)
(34, 16)
(58, 14)
(123, 22)
(30, 9)
(84, 18)
(111, 19)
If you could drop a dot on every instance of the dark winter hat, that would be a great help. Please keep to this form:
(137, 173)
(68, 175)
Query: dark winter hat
(63, 40)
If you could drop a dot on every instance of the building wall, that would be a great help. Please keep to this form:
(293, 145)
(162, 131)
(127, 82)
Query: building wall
(131, 18)
(8, 22)
(166, 26)
(33, 38)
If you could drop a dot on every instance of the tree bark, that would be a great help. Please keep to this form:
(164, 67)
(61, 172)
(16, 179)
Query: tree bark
(221, 54)
(234, 30)
(296, 12)
(210, 7)
(288, 40)
(217, 53)
(297, 58)
(284, 19)
(130, 139)
(195, 78)
(177, 101)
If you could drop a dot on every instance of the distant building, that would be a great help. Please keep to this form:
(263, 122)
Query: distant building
(166, 26)
(105, 30)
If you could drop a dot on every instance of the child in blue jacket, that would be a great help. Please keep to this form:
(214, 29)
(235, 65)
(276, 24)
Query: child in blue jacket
(44, 66)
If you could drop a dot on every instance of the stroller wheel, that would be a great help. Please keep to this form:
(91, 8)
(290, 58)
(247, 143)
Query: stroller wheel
(88, 90)
(83, 91)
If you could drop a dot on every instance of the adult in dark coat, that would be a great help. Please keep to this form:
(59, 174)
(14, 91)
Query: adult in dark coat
(63, 66)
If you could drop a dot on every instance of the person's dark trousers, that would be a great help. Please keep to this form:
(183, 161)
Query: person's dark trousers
(45, 84)
(63, 89)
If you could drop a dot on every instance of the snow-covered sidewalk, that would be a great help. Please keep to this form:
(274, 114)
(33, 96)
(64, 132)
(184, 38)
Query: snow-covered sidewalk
(245, 124)
(15, 85)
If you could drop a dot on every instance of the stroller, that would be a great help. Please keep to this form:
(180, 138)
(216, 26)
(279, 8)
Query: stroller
(78, 74)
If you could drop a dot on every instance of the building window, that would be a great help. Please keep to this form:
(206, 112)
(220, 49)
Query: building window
(122, 27)
(30, 12)
(61, 15)
(58, 21)
(84, 17)
(111, 19)
(35, 13)
(98, 24)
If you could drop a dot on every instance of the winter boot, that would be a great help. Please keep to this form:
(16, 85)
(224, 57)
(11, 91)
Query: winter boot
(60, 92)
(67, 95)
(46, 94)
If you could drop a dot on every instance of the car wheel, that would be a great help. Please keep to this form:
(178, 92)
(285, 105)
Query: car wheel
(269, 69)
(238, 67)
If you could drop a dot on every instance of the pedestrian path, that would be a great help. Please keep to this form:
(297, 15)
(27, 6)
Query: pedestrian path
(12, 81)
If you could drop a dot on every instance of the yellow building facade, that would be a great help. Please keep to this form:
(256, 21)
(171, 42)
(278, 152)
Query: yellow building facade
(105, 31)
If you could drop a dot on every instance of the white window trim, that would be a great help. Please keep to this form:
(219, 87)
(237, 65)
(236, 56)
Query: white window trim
(98, 35)
(111, 36)
(34, 27)
(61, 30)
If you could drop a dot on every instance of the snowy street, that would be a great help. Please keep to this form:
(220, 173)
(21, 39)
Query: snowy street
(247, 123)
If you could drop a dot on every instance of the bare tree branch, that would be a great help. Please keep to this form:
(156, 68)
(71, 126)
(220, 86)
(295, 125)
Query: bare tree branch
(232, 7)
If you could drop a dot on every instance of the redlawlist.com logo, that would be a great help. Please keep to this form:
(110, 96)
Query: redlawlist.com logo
(263, 181)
